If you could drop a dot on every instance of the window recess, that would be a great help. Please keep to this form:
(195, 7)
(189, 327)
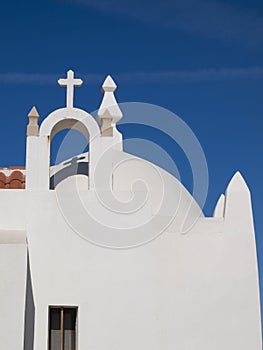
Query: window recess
(62, 327)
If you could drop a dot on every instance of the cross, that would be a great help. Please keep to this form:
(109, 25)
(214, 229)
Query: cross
(70, 82)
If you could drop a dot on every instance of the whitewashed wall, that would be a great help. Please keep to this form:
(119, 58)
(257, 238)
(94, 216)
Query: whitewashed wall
(13, 264)
(183, 281)
(192, 291)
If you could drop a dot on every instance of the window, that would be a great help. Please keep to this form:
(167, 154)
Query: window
(62, 327)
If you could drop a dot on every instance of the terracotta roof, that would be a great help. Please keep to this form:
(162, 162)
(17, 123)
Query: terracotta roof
(14, 180)
(14, 168)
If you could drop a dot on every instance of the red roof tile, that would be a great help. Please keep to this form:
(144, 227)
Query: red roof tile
(16, 179)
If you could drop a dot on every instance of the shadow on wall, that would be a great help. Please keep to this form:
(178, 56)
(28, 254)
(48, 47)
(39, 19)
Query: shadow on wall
(75, 167)
(29, 313)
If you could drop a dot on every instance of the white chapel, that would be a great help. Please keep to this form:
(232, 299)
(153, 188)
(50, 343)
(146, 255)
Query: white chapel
(91, 260)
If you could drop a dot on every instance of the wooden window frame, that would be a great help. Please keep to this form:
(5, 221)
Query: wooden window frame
(62, 308)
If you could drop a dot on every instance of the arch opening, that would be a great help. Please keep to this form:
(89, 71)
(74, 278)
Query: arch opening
(69, 124)
(69, 118)
(69, 154)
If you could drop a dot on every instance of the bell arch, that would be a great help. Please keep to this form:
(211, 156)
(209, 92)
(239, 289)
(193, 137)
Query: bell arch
(67, 118)
(61, 119)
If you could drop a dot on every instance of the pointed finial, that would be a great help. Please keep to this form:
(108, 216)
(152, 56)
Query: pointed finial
(33, 113)
(109, 112)
(32, 127)
(109, 85)
(238, 208)
(237, 184)
(220, 207)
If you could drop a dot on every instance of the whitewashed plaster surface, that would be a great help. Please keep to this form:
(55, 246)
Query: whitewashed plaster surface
(167, 288)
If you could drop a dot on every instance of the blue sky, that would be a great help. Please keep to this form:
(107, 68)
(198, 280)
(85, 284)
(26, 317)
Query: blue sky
(201, 59)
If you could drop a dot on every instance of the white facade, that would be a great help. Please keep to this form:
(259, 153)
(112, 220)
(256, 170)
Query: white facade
(168, 289)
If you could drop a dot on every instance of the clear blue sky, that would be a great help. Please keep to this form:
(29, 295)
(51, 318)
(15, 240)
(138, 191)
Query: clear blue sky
(201, 59)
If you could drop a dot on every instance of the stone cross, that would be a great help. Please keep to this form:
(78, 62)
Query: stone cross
(70, 82)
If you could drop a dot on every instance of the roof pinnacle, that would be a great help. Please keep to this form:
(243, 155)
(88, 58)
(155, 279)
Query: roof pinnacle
(33, 113)
(32, 127)
(109, 85)
(109, 108)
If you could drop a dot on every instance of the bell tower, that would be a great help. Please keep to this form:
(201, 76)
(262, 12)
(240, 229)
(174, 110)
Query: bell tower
(101, 136)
